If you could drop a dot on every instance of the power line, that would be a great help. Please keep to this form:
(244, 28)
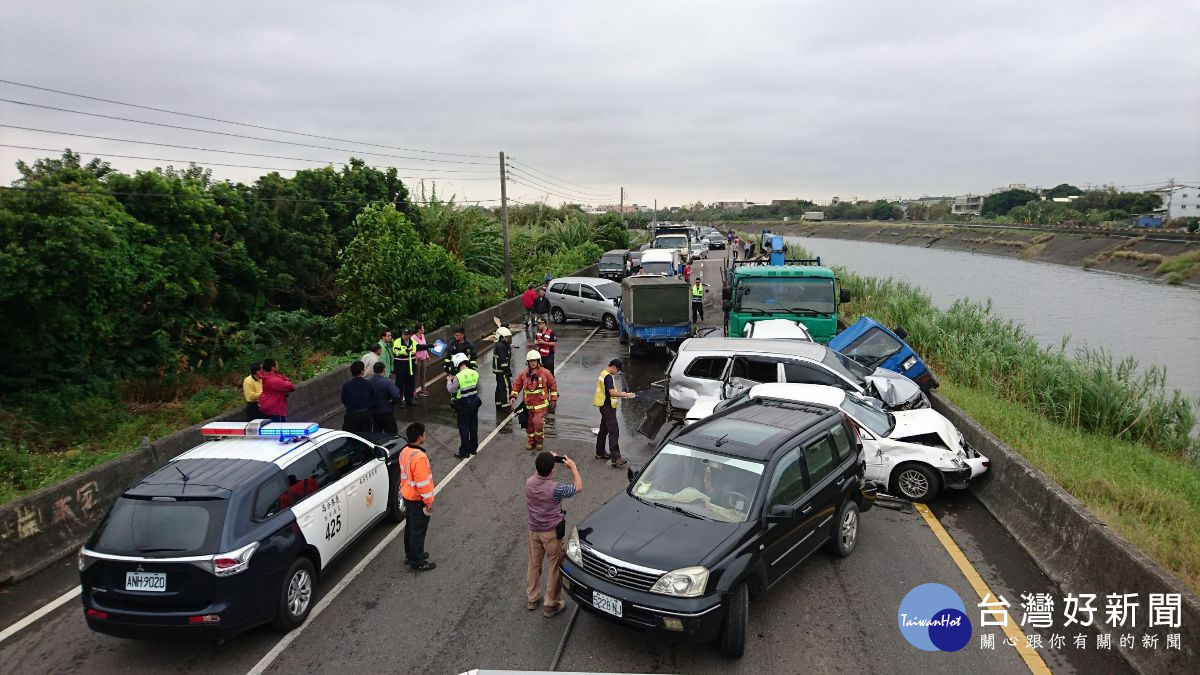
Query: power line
(569, 198)
(533, 179)
(114, 193)
(206, 163)
(233, 135)
(240, 124)
(226, 152)
(552, 176)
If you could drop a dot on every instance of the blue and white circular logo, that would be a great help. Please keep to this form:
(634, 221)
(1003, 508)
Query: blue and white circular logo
(933, 618)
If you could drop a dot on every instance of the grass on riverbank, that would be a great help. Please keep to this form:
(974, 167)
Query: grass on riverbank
(34, 455)
(1180, 268)
(1150, 499)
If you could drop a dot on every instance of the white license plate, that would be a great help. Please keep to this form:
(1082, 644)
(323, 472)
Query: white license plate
(606, 603)
(146, 581)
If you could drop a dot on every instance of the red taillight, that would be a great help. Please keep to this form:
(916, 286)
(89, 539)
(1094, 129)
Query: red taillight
(96, 614)
(206, 618)
(224, 563)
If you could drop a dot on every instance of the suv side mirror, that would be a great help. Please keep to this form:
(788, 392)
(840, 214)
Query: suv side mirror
(781, 513)
(381, 453)
(631, 474)
(844, 296)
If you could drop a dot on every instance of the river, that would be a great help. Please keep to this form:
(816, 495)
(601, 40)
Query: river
(1149, 321)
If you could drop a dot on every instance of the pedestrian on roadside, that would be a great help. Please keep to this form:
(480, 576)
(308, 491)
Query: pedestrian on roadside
(547, 528)
(737, 246)
(527, 299)
(687, 272)
(373, 356)
(358, 397)
(385, 352)
(541, 396)
(416, 489)
(547, 343)
(251, 390)
(605, 399)
(464, 388)
(275, 389)
(461, 345)
(698, 292)
(502, 365)
(387, 394)
(547, 278)
(541, 306)
(422, 359)
(405, 352)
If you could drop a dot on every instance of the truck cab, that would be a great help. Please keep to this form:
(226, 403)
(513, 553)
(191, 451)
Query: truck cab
(804, 291)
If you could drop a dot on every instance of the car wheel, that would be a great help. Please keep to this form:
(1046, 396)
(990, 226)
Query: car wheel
(610, 322)
(733, 630)
(916, 482)
(296, 595)
(845, 535)
(395, 512)
(558, 315)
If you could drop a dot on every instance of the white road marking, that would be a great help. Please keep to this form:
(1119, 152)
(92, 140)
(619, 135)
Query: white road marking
(40, 612)
(286, 641)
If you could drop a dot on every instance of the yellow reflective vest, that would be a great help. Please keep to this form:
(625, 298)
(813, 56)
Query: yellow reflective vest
(598, 397)
(468, 383)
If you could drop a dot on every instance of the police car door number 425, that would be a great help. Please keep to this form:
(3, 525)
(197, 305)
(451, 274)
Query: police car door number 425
(333, 516)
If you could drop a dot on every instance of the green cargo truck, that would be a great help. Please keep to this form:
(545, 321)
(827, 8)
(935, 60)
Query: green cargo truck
(800, 290)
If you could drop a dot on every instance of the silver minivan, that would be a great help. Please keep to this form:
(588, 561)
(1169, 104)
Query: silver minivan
(725, 367)
(588, 298)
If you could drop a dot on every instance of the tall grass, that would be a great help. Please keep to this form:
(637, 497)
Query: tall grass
(1084, 389)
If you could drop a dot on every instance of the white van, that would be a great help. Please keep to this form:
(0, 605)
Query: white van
(660, 261)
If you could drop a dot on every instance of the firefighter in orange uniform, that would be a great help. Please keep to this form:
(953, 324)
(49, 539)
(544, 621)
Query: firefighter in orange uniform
(416, 488)
(541, 395)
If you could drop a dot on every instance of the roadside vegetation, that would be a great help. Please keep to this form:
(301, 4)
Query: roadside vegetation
(134, 303)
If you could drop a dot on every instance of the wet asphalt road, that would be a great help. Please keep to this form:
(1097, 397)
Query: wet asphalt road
(829, 615)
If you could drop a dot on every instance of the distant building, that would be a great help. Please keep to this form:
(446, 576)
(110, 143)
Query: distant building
(1180, 201)
(967, 205)
(731, 207)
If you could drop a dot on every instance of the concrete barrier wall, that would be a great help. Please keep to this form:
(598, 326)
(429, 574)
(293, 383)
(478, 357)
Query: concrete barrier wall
(44, 526)
(1075, 548)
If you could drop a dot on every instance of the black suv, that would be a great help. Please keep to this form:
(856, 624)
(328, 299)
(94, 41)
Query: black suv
(723, 511)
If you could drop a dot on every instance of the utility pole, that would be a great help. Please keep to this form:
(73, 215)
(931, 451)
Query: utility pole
(654, 221)
(621, 208)
(504, 224)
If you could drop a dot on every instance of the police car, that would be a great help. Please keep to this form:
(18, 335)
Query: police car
(235, 532)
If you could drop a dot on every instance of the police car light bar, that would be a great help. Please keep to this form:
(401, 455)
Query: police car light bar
(260, 428)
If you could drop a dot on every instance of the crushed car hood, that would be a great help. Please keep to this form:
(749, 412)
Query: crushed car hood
(924, 421)
(650, 536)
(896, 390)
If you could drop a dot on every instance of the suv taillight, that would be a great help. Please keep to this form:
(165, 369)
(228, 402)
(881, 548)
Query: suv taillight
(229, 564)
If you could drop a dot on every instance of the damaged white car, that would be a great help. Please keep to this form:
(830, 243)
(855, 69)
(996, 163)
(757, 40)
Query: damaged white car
(914, 453)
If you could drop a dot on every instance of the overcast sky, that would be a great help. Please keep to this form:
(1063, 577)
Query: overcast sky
(679, 101)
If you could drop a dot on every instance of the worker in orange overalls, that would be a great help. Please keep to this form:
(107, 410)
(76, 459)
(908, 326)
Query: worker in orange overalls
(541, 395)
(416, 488)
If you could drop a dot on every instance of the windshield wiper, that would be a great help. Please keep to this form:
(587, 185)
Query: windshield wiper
(805, 310)
(161, 550)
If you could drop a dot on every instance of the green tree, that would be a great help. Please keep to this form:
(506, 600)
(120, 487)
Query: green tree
(389, 278)
(884, 210)
(611, 232)
(1062, 190)
(1001, 203)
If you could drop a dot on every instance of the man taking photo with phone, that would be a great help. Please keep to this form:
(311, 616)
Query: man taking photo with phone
(547, 527)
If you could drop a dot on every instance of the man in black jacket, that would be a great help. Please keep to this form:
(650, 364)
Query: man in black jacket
(461, 345)
(383, 412)
(541, 306)
(358, 397)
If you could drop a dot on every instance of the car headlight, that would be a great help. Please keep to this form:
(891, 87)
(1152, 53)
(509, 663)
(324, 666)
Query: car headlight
(909, 362)
(687, 582)
(574, 550)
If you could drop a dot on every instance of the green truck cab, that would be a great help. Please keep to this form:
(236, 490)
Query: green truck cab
(801, 290)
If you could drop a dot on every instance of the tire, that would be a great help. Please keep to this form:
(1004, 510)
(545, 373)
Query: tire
(732, 641)
(395, 510)
(295, 595)
(916, 482)
(558, 316)
(609, 321)
(845, 532)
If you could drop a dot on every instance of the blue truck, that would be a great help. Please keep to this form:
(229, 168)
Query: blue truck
(654, 311)
(874, 345)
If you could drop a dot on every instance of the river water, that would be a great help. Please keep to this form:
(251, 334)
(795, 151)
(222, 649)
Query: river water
(1150, 321)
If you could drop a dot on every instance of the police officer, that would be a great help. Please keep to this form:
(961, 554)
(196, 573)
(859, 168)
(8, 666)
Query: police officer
(698, 291)
(405, 352)
(464, 388)
(502, 365)
(605, 399)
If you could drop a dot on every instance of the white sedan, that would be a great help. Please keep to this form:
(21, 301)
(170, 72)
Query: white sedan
(914, 453)
(783, 329)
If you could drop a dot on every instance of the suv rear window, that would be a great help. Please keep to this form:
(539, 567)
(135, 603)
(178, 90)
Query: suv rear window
(162, 527)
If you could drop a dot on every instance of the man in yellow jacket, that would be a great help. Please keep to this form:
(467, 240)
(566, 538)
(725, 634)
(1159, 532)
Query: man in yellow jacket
(251, 390)
(605, 399)
(416, 489)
